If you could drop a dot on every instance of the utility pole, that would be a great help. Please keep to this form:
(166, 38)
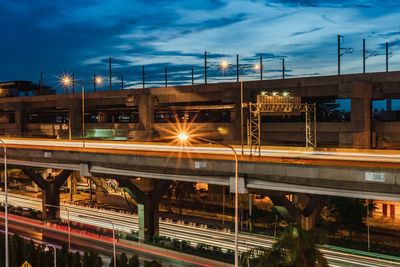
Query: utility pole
(166, 77)
(387, 56)
(364, 56)
(192, 76)
(94, 82)
(283, 68)
(205, 67)
(143, 76)
(338, 55)
(41, 83)
(261, 68)
(122, 82)
(73, 82)
(109, 68)
(237, 67)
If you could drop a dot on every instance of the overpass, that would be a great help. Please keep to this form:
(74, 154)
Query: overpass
(371, 174)
(366, 118)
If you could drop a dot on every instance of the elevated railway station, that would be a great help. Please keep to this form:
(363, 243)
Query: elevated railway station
(355, 110)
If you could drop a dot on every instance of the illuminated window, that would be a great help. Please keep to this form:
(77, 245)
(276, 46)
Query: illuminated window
(392, 211)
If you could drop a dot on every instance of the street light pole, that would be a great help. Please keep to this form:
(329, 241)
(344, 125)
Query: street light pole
(5, 203)
(184, 137)
(55, 253)
(83, 115)
(96, 80)
(224, 65)
(236, 196)
(241, 109)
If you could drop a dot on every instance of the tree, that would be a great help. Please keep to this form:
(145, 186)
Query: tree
(123, 260)
(76, 260)
(134, 261)
(153, 263)
(294, 247)
(349, 213)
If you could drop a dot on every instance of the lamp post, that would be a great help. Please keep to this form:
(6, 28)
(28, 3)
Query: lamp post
(113, 228)
(224, 65)
(185, 137)
(5, 202)
(66, 82)
(55, 253)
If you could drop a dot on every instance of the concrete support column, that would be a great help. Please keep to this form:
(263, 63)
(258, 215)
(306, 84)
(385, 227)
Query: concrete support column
(20, 121)
(361, 114)
(147, 206)
(146, 112)
(75, 117)
(306, 218)
(50, 191)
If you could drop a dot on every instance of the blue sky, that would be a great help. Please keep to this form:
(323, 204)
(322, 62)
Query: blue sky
(78, 36)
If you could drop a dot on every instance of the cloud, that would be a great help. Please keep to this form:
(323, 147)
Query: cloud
(79, 36)
(325, 3)
(305, 32)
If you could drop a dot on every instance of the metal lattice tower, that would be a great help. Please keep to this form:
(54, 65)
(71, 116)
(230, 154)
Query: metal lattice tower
(311, 131)
(276, 105)
(254, 128)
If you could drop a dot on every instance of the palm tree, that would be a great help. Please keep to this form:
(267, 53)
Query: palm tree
(295, 247)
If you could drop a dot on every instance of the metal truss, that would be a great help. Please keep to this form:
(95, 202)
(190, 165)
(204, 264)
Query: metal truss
(254, 121)
(254, 128)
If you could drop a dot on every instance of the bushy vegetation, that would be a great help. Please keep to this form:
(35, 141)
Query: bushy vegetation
(21, 250)
(294, 247)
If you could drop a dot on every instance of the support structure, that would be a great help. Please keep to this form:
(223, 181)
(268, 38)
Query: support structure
(143, 76)
(387, 56)
(306, 218)
(50, 191)
(277, 105)
(110, 73)
(341, 51)
(205, 67)
(237, 67)
(147, 206)
(364, 56)
(166, 77)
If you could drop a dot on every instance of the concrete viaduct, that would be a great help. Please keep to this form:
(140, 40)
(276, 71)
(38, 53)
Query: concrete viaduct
(320, 173)
(139, 114)
(143, 115)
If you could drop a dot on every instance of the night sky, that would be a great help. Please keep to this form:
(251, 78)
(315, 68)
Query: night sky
(78, 36)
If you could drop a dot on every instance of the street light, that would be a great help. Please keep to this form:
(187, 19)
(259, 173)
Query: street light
(183, 137)
(55, 253)
(66, 82)
(224, 65)
(5, 202)
(113, 228)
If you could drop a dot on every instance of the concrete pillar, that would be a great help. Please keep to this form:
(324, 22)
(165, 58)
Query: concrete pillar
(75, 117)
(361, 114)
(50, 196)
(306, 218)
(147, 206)
(146, 112)
(50, 191)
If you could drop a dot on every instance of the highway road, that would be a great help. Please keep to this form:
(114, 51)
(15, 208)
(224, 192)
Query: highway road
(125, 222)
(352, 155)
